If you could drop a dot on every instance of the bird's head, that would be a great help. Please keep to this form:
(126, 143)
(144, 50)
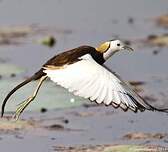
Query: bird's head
(110, 47)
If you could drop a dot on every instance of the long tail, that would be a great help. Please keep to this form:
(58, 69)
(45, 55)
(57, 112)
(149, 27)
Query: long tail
(36, 76)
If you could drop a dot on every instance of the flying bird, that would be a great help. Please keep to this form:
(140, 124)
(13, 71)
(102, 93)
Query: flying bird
(82, 72)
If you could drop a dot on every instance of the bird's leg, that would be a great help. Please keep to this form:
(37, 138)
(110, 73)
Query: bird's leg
(26, 102)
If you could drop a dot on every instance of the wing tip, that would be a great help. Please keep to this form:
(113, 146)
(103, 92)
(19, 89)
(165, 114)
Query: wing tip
(139, 107)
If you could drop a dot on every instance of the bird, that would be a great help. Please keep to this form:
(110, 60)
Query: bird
(82, 72)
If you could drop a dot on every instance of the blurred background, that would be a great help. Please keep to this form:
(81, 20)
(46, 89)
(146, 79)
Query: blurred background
(32, 31)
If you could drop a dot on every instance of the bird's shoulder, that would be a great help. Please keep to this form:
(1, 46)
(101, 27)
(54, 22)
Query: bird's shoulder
(70, 56)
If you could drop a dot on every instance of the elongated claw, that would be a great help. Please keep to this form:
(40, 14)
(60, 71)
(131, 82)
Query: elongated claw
(21, 107)
(26, 102)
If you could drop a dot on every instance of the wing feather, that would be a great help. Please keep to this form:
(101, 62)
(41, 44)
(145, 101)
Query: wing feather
(88, 79)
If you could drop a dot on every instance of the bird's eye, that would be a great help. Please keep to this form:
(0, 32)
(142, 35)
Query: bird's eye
(118, 44)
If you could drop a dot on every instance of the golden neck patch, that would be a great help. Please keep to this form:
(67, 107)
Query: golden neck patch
(103, 47)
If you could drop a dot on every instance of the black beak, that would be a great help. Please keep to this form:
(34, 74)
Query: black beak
(128, 48)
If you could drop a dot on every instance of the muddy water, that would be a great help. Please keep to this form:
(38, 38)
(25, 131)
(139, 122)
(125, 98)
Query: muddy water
(74, 23)
(83, 126)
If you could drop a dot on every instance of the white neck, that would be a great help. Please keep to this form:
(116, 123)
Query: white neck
(108, 54)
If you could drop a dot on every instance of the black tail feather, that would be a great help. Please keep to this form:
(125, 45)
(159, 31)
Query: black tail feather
(36, 76)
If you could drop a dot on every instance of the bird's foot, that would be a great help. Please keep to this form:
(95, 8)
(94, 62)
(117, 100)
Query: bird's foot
(21, 107)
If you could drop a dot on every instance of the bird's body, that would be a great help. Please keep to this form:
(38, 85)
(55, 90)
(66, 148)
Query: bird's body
(69, 57)
(90, 80)
(81, 71)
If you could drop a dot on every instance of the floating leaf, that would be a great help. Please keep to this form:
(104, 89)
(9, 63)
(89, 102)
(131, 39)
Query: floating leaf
(7, 126)
(110, 148)
(48, 41)
(141, 135)
(161, 40)
(131, 148)
(10, 69)
(15, 32)
(162, 20)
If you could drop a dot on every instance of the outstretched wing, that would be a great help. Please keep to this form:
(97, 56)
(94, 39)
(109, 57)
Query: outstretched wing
(88, 79)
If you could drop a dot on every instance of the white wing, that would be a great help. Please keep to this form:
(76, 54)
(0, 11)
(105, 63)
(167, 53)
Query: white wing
(88, 79)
